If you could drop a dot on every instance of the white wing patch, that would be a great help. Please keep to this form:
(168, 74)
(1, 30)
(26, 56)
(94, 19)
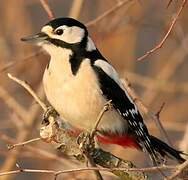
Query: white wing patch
(110, 71)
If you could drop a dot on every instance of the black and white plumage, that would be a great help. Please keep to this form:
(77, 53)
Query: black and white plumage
(79, 81)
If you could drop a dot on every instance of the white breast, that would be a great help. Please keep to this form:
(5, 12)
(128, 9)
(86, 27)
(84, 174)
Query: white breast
(78, 99)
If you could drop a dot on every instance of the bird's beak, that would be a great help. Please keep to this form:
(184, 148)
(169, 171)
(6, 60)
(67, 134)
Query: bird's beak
(36, 38)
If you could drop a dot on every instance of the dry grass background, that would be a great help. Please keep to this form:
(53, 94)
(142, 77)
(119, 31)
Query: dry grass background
(122, 36)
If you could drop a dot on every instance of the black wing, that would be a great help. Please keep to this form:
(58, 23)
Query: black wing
(121, 102)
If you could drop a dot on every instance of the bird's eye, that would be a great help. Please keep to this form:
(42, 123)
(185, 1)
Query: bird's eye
(59, 32)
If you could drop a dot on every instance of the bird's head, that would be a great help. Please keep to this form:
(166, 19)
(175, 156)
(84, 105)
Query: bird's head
(62, 33)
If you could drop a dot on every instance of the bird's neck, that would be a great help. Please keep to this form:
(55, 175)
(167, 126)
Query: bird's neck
(59, 62)
(72, 57)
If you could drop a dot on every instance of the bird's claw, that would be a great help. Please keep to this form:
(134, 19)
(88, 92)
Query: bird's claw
(86, 142)
(49, 112)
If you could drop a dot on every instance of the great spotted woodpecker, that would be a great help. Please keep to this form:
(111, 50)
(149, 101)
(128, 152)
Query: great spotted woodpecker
(78, 82)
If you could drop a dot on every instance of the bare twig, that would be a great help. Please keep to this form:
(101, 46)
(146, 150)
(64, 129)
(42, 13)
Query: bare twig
(15, 62)
(160, 126)
(54, 172)
(144, 109)
(92, 163)
(91, 136)
(108, 12)
(12, 146)
(106, 107)
(46, 7)
(158, 46)
(157, 114)
(27, 87)
(169, 2)
(166, 71)
(40, 152)
(179, 170)
(76, 8)
(184, 142)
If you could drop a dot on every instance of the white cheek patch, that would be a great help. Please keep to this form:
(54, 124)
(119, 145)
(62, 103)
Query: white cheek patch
(90, 45)
(71, 35)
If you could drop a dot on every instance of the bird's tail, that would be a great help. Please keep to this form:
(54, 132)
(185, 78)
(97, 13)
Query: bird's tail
(164, 149)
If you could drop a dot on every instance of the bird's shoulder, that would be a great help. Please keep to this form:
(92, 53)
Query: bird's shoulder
(112, 88)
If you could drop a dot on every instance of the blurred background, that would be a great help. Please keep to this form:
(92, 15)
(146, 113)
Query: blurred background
(123, 35)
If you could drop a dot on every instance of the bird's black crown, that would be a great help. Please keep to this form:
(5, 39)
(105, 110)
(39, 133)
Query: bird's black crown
(55, 23)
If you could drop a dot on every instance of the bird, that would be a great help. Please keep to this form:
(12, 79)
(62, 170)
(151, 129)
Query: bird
(79, 80)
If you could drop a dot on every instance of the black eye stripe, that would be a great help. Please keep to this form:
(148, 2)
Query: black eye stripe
(59, 31)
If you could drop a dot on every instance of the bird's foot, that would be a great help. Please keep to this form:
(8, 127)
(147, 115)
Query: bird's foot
(86, 142)
(49, 112)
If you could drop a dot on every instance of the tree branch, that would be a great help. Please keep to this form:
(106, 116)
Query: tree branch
(179, 170)
(161, 43)
(108, 12)
(60, 136)
(46, 7)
